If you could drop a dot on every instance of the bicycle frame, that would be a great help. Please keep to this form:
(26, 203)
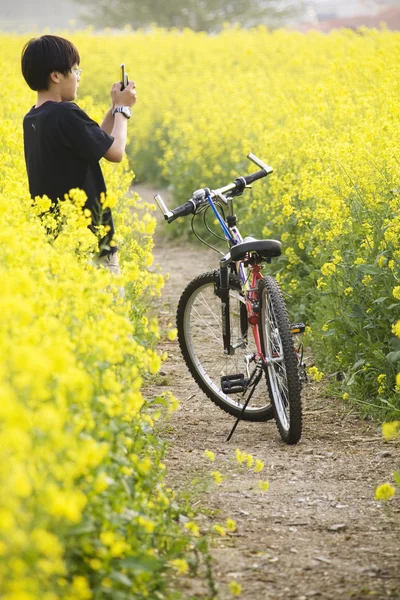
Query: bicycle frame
(251, 291)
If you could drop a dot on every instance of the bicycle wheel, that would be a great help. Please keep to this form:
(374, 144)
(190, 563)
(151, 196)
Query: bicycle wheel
(282, 370)
(199, 326)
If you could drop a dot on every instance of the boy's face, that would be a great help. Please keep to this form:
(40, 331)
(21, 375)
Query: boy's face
(68, 85)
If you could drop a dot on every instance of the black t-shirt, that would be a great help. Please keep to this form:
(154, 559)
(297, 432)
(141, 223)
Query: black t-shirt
(63, 147)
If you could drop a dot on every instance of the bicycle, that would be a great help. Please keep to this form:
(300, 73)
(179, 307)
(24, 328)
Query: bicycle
(217, 309)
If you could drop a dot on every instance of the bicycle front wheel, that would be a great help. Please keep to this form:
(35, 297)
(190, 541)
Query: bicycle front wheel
(281, 360)
(199, 324)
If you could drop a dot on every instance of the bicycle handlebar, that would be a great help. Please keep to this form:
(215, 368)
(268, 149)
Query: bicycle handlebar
(200, 196)
(254, 176)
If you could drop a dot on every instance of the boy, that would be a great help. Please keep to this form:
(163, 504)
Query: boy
(63, 146)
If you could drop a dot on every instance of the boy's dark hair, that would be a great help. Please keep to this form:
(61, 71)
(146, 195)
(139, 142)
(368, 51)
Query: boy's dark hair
(44, 55)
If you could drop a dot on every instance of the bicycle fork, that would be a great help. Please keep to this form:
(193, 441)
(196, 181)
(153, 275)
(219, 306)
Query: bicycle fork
(223, 293)
(248, 309)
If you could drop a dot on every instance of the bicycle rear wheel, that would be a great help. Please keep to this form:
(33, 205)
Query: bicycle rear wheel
(282, 368)
(199, 326)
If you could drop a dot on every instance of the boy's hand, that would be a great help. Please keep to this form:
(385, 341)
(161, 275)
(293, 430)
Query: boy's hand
(125, 98)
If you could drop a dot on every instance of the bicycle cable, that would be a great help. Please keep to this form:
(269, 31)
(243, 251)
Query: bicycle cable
(212, 232)
(206, 224)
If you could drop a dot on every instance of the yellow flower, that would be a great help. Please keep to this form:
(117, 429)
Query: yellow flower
(81, 588)
(193, 528)
(384, 492)
(172, 333)
(119, 548)
(345, 396)
(147, 525)
(249, 460)
(258, 466)
(348, 291)
(391, 430)
(381, 261)
(209, 454)
(95, 564)
(101, 483)
(230, 525)
(240, 456)
(396, 292)
(107, 537)
(328, 269)
(180, 565)
(337, 258)
(217, 476)
(220, 530)
(126, 470)
(263, 485)
(396, 329)
(235, 588)
(381, 381)
(315, 373)
(366, 280)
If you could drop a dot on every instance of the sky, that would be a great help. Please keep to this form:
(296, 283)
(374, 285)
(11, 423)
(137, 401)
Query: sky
(28, 15)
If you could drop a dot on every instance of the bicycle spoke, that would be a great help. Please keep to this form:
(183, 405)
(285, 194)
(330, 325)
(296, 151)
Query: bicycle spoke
(277, 343)
(204, 342)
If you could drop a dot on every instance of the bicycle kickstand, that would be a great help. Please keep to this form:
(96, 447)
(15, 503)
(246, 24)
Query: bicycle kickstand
(257, 379)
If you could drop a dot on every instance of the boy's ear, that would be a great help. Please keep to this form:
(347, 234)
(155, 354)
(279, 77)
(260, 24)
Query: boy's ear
(54, 77)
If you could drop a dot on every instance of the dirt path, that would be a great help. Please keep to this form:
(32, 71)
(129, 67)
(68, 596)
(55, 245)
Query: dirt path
(317, 532)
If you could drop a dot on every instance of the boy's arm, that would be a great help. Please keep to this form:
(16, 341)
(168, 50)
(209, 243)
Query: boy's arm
(120, 126)
(108, 121)
(115, 153)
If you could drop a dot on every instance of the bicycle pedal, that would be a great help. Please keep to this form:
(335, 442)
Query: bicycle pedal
(234, 384)
(297, 328)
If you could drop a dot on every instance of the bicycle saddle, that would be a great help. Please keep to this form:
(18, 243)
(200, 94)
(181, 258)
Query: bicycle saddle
(264, 248)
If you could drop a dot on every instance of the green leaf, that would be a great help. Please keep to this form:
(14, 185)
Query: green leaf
(358, 364)
(396, 477)
(121, 578)
(350, 381)
(82, 528)
(393, 356)
(140, 564)
(369, 269)
(394, 343)
(380, 300)
(357, 312)
(329, 333)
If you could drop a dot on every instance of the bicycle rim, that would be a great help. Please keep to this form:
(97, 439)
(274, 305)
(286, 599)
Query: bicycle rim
(200, 336)
(282, 370)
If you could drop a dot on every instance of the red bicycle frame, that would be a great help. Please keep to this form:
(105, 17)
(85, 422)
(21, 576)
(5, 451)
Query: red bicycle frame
(253, 307)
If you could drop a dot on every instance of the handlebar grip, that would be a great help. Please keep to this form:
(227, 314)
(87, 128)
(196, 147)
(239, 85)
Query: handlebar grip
(254, 176)
(182, 211)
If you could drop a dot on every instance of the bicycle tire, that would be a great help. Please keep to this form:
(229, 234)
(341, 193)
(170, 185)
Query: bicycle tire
(199, 316)
(282, 375)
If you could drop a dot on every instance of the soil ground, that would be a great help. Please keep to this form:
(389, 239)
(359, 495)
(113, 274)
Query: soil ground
(317, 532)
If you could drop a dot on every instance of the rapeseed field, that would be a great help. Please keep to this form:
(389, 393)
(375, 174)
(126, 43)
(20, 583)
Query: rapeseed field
(77, 446)
(84, 510)
(324, 111)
